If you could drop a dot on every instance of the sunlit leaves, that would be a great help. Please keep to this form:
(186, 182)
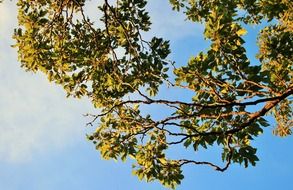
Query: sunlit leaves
(122, 73)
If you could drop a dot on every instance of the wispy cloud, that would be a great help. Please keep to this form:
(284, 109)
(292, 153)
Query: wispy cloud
(35, 116)
(171, 24)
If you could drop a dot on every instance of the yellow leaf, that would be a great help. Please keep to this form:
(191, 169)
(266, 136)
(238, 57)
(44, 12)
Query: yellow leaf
(241, 32)
(163, 161)
(132, 156)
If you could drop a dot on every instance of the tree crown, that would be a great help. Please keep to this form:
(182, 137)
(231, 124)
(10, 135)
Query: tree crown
(121, 72)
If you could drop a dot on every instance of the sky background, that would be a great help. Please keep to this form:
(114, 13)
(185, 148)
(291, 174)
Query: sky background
(42, 133)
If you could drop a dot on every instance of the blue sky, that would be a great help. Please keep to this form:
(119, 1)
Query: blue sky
(42, 139)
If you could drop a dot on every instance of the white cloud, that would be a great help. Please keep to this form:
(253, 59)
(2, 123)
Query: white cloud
(7, 18)
(35, 116)
(171, 24)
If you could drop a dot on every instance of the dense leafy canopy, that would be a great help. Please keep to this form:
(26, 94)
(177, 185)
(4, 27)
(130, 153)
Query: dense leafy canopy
(110, 62)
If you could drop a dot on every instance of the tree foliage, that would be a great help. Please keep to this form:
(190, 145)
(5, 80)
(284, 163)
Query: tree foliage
(121, 72)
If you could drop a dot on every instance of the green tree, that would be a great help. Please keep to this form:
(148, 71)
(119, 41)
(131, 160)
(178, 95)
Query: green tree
(121, 73)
